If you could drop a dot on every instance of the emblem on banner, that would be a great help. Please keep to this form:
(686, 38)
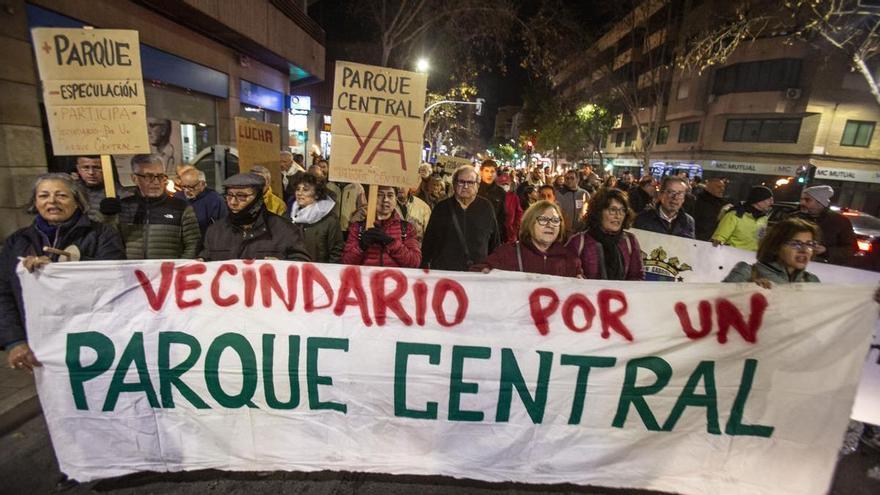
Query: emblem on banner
(659, 268)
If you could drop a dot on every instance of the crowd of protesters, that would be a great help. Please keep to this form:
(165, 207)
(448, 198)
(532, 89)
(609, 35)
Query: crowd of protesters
(573, 223)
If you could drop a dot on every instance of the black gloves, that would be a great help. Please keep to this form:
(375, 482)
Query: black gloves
(374, 235)
(110, 206)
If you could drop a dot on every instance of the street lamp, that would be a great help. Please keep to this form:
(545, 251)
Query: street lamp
(422, 65)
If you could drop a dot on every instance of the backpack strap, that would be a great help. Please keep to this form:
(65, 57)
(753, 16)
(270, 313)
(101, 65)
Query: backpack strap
(404, 226)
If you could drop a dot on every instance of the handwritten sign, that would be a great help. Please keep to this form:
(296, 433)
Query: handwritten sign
(93, 90)
(377, 131)
(259, 143)
(680, 386)
(451, 163)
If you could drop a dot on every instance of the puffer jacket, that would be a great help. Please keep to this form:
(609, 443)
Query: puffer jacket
(556, 261)
(774, 272)
(93, 241)
(271, 236)
(404, 253)
(320, 227)
(589, 251)
(682, 225)
(158, 228)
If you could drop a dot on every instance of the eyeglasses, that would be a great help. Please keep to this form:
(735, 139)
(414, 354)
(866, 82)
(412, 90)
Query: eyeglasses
(465, 183)
(616, 211)
(544, 221)
(802, 245)
(152, 177)
(674, 194)
(239, 197)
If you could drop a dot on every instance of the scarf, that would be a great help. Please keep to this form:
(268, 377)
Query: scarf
(312, 213)
(51, 233)
(612, 255)
(247, 215)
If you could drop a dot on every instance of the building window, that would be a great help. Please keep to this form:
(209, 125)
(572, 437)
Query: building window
(762, 130)
(618, 139)
(689, 132)
(765, 75)
(628, 139)
(662, 134)
(857, 133)
(684, 90)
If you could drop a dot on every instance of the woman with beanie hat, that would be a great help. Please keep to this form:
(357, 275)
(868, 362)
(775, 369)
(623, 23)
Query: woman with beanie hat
(743, 226)
(838, 239)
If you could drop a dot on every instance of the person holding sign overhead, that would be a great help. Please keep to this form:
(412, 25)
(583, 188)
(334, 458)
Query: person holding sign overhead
(390, 242)
(462, 230)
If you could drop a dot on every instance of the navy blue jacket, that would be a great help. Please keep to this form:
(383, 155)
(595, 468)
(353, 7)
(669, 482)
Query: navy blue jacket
(95, 241)
(681, 226)
(209, 207)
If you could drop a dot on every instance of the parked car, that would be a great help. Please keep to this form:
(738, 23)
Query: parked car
(865, 226)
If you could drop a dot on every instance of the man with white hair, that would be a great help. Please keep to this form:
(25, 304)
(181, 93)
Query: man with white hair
(207, 204)
(838, 241)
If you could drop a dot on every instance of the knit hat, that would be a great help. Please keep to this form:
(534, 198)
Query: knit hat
(822, 194)
(758, 194)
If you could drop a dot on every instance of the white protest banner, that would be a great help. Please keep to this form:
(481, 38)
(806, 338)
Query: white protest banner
(93, 90)
(377, 125)
(451, 163)
(671, 258)
(259, 143)
(689, 388)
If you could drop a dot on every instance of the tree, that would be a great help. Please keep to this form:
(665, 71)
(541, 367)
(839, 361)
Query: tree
(594, 124)
(844, 25)
(449, 124)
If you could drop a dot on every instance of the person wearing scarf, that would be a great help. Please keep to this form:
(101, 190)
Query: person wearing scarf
(605, 250)
(744, 225)
(62, 231)
(250, 231)
(314, 211)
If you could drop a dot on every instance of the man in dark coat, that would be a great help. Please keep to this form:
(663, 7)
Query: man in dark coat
(208, 206)
(838, 239)
(641, 196)
(709, 207)
(668, 217)
(250, 231)
(462, 230)
(493, 192)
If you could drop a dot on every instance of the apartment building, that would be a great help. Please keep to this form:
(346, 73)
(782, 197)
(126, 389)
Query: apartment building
(775, 104)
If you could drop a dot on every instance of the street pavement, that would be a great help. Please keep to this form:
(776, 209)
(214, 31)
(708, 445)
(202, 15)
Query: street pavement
(28, 466)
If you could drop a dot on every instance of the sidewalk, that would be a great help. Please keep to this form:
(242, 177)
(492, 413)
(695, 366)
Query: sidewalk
(18, 397)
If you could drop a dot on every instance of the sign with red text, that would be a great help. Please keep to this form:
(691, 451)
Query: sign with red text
(93, 90)
(272, 365)
(377, 125)
(259, 143)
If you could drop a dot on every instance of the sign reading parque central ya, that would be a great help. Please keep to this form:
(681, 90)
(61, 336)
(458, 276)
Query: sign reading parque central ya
(271, 365)
(93, 90)
(377, 125)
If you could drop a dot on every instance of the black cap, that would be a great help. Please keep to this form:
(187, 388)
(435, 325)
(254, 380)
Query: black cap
(245, 180)
(758, 194)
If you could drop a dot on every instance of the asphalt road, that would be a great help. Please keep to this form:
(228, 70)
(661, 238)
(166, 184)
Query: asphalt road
(27, 466)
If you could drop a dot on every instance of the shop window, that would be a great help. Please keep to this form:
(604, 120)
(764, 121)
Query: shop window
(857, 133)
(762, 130)
(764, 75)
(662, 134)
(689, 132)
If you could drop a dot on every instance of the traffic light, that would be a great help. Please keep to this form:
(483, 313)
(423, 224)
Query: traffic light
(529, 146)
(805, 174)
(479, 105)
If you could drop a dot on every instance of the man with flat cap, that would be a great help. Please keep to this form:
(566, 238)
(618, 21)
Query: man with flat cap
(250, 231)
(838, 241)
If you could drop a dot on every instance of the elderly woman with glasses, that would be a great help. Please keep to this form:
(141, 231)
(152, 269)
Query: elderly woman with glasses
(538, 248)
(62, 231)
(783, 255)
(605, 250)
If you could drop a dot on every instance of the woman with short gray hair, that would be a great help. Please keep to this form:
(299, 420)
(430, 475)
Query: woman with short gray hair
(61, 232)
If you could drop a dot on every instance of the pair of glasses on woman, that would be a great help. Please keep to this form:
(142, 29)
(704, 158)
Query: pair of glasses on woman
(545, 221)
(802, 245)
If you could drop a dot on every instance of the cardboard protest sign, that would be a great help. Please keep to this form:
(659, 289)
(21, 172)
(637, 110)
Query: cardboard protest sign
(451, 163)
(377, 125)
(687, 388)
(93, 90)
(259, 143)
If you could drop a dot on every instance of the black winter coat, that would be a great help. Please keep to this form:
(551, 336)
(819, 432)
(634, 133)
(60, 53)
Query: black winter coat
(496, 195)
(682, 225)
(271, 236)
(707, 214)
(95, 241)
(442, 247)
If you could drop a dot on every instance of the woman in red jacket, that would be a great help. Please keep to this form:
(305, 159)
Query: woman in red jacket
(539, 247)
(390, 242)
